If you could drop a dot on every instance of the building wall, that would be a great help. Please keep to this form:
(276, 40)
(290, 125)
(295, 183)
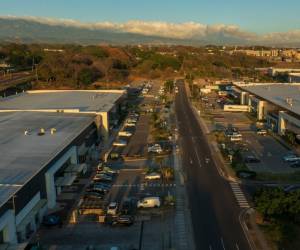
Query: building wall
(284, 119)
(7, 225)
(49, 175)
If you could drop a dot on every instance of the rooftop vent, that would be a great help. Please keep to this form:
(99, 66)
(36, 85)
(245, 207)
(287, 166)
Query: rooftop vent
(53, 131)
(41, 132)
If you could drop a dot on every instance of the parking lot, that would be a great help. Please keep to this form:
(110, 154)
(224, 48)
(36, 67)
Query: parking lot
(126, 183)
(266, 148)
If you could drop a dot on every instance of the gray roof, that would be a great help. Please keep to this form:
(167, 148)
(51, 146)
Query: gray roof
(277, 93)
(22, 156)
(83, 101)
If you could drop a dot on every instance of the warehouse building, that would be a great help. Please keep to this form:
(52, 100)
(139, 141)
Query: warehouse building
(278, 104)
(106, 105)
(36, 150)
(45, 138)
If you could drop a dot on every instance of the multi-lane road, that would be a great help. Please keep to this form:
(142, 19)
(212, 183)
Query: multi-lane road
(214, 207)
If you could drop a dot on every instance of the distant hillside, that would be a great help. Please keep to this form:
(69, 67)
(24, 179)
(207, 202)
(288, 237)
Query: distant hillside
(25, 31)
(40, 30)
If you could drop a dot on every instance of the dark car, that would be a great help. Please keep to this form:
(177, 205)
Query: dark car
(295, 164)
(123, 220)
(251, 159)
(52, 220)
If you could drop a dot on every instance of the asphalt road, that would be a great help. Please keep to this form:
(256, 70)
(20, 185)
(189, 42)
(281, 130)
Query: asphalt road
(214, 209)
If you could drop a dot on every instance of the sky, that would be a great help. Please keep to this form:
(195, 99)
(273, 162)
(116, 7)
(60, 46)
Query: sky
(259, 16)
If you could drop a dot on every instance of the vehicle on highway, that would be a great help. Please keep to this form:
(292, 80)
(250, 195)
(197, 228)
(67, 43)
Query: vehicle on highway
(125, 133)
(52, 220)
(149, 202)
(251, 159)
(295, 164)
(291, 158)
(261, 131)
(153, 176)
(156, 148)
(120, 143)
(112, 208)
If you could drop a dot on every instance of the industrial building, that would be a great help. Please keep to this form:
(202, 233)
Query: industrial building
(45, 138)
(278, 104)
(106, 105)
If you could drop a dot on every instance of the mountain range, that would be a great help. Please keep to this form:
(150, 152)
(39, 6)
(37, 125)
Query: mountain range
(42, 30)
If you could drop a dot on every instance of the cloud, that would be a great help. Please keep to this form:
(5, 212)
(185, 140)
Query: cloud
(187, 30)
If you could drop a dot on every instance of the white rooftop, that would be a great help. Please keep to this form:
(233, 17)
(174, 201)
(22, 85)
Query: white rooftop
(76, 100)
(277, 93)
(22, 156)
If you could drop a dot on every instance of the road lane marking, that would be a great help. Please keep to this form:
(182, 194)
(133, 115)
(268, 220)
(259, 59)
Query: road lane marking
(239, 195)
(237, 246)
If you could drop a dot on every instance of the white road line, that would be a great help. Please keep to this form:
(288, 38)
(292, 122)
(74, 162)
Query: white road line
(223, 244)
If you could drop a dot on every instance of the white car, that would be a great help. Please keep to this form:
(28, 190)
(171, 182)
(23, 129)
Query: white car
(132, 120)
(125, 133)
(120, 143)
(153, 176)
(261, 132)
(112, 208)
(129, 124)
(156, 148)
(149, 202)
(291, 158)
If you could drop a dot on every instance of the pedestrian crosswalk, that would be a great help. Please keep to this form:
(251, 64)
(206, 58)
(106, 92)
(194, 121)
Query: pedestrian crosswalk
(146, 185)
(239, 195)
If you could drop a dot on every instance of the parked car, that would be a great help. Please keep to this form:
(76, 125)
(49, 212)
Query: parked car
(112, 208)
(132, 120)
(120, 143)
(295, 164)
(291, 158)
(52, 220)
(261, 131)
(100, 177)
(94, 188)
(149, 202)
(292, 188)
(156, 148)
(101, 185)
(123, 220)
(125, 133)
(153, 176)
(251, 159)
(130, 124)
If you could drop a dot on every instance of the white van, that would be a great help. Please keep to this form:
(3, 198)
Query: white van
(149, 202)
